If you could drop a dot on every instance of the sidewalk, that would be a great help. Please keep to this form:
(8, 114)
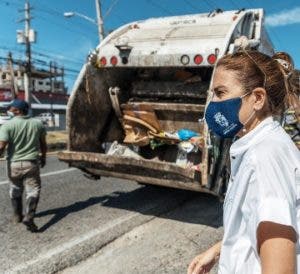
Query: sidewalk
(163, 245)
(56, 140)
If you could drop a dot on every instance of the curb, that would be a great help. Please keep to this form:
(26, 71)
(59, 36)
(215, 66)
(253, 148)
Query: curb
(57, 146)
(73, 252)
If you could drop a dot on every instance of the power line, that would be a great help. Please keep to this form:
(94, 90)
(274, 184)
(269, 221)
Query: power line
(72, 63)
(214, 6)
(41, 62)
(59, 14)
(249, 3)
(234, 4)
(109, 10)
(10, 3)
(54, 55)
(191, 5)
(56, 13)
(49, 56)
(49, 11)
(66, 28)
(155, 4)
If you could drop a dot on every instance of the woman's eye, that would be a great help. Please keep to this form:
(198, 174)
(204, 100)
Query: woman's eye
(219, 93)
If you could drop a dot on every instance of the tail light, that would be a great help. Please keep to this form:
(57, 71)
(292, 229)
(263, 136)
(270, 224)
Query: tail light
(211, 59)
(185, 59)
(103, 61)
(114, 60)
(198, 59)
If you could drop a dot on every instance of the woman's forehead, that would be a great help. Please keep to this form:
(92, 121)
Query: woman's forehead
(225, 78)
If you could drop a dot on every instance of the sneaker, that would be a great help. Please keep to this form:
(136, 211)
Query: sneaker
(30, 225)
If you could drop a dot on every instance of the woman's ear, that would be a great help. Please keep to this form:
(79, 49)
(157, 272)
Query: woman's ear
(260, 96)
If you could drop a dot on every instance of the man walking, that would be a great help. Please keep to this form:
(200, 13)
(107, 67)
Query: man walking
(24, 137)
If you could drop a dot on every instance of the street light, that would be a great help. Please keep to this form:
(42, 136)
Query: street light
(73, 13)
(98, 22)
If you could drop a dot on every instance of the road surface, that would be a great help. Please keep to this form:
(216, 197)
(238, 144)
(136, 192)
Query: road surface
(78, 217)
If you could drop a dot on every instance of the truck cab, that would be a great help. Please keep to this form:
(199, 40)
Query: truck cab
(137, 107)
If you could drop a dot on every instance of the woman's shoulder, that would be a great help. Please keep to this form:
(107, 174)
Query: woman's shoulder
(277, 144)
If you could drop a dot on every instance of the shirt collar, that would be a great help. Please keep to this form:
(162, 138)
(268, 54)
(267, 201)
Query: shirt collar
(22, 116)
(242, 144)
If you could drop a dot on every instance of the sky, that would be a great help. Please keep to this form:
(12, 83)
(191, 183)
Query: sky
(69, 40)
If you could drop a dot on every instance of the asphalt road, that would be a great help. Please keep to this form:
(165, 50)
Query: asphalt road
(77, 217)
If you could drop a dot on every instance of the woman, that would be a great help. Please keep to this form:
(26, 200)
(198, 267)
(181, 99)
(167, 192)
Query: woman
(262, 203)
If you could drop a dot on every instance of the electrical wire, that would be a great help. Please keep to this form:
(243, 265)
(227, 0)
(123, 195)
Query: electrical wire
(234, 4)
(50, 55)
(191, 5)
(158, 6)
(9, 3)
(214, 6)
(63, 59)
(109, 10)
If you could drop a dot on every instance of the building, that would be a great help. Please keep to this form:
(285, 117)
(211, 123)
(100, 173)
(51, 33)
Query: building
(48, 90)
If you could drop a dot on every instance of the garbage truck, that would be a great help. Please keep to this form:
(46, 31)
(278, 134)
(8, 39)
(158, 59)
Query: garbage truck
(136, 109)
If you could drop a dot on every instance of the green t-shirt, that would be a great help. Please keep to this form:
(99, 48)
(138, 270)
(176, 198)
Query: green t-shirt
(23, 135)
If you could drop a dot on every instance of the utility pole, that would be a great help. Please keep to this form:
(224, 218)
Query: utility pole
(27, 36)
(14, 86)
(27, 74)
(99, 21)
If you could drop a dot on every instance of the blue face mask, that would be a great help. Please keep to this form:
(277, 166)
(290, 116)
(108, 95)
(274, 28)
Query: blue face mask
(223, 117)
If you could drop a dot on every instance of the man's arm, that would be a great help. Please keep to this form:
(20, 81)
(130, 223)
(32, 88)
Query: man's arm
(3, 145)
(277, 248)
(43, 147)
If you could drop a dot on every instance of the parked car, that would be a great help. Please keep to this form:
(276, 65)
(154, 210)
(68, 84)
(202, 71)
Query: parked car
(45, 117)
(4, 119)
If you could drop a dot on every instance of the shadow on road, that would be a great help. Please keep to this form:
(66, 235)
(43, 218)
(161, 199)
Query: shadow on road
(61, 212)
(203, 208)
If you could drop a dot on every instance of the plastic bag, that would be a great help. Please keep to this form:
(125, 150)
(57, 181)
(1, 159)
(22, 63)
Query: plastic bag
(186, 134)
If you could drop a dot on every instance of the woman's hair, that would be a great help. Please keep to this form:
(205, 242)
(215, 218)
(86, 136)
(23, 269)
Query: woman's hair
(275, 74)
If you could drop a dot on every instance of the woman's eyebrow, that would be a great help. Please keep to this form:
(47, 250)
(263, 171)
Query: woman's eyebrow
(219, 87)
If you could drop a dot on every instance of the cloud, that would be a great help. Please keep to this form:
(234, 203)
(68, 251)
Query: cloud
(283, 18)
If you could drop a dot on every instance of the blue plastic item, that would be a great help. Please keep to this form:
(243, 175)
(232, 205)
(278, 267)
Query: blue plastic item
(186, 134)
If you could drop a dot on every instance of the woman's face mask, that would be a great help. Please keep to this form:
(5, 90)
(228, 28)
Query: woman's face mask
(222, 117)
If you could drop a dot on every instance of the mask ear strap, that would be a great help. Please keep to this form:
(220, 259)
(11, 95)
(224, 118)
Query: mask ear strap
(251, 115)
(244, 95)
(247, 121)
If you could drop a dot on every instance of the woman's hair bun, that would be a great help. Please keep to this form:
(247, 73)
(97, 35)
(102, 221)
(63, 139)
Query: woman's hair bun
(294, 82)
(292, 77)
(285, 61)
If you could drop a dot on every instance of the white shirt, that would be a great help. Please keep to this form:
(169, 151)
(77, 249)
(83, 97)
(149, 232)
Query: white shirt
(264, 186)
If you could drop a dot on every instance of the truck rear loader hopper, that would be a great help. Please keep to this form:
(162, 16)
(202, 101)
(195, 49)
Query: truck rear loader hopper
(144, 83)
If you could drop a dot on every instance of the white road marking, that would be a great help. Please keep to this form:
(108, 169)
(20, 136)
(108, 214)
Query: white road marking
(48, 174)
(73, 243)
